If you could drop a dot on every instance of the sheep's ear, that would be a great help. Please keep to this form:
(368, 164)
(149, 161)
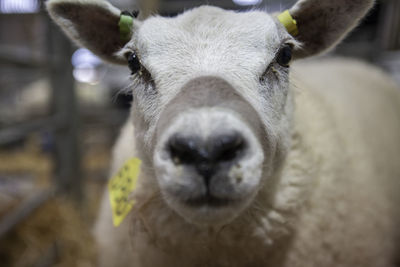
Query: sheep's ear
(90, 23)
(323, 24)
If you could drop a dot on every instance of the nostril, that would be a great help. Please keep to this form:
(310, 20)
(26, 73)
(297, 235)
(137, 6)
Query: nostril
(183, 149)
(190, 150)
(227, 147)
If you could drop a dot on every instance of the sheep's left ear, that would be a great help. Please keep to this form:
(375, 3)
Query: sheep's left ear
(93, 24)
(323, 24)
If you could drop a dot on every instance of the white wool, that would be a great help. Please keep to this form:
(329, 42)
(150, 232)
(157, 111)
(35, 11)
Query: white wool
(336, 190)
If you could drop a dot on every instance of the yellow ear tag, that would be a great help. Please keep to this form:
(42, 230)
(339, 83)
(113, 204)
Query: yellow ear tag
(290, 24)
(120, 186)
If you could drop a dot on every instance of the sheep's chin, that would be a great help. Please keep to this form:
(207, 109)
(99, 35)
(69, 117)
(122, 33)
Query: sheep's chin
(209, 216)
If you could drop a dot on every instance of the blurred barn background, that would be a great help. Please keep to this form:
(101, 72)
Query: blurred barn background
(60, 112)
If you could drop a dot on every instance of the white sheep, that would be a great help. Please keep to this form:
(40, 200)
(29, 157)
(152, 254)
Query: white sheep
(242, 163)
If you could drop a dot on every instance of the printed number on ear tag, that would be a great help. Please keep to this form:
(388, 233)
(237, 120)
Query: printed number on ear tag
(120, 186)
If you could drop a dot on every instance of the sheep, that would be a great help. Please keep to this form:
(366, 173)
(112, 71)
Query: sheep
(245, 163)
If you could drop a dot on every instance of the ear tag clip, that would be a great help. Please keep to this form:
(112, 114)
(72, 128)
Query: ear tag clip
(120, 186)
(125, 26)
(290, 24)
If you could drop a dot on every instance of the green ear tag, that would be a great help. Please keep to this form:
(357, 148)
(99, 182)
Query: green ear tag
(125, 27)
(119, 188)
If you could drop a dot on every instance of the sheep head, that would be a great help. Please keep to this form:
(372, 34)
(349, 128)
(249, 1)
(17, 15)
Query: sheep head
(212, 104)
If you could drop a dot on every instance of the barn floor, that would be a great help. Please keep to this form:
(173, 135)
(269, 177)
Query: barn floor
(57, 233)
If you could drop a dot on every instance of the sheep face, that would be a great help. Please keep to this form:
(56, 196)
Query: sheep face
(211, 107)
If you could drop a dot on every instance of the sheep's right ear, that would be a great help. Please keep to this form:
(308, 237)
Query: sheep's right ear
(322, 24)
(93, 24)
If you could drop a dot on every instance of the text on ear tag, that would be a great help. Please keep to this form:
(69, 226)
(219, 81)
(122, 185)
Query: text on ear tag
(120, 186)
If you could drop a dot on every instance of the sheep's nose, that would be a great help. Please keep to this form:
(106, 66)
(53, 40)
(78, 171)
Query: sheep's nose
(206, 155)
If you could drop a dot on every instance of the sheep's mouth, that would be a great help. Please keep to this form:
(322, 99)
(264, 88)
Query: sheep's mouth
(209, 201)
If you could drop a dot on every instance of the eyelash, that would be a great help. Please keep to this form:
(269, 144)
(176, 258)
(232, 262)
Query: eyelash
(284, 55)
(137, 68)
(272, 73)
(134, 63)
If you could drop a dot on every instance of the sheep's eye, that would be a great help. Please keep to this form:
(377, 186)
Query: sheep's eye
(133, 63)
(284, 56)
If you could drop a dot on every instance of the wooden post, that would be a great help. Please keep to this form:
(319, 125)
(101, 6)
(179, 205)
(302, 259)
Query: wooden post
(389, 28)
(68, 175)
